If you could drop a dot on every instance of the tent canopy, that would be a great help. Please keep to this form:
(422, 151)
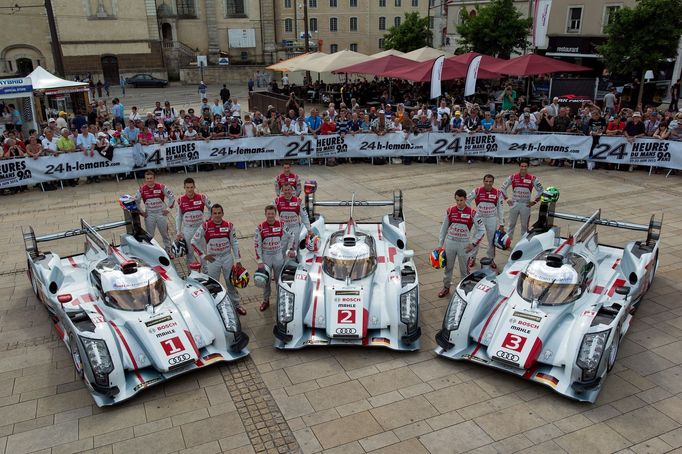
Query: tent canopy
(43, 80)
(332, 62)
(421, 71)
(378, 66)
(387, 52)
(487, 61)
(533, 64)
(424, 54)
(292, 64)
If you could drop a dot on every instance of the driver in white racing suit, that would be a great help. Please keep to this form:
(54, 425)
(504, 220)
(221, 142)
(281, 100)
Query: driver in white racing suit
(522, 184)
(292, 212)
(461, 233)
(490, 206)
(272, 239)
(158, 201)
(190, 215)
(215, 241)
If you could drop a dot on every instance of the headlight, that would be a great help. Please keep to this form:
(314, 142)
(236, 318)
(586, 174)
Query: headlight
(454, 314)
(229, 316)
(590, 353)
(100, 359)
(409, 307)
(285, 306)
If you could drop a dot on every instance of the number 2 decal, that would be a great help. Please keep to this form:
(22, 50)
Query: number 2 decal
(172, 346)
(346, 316)
(514, 342)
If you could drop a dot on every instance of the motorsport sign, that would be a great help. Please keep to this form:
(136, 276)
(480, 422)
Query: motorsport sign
(617, 150)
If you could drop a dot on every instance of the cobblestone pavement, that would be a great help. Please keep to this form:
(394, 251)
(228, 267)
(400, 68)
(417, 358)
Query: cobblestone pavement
(345, 400)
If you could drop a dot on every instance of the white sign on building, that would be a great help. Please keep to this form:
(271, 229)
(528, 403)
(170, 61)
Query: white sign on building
(241, 38)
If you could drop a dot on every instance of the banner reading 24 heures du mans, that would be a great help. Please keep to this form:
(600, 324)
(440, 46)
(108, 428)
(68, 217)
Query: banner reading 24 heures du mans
(647, 152)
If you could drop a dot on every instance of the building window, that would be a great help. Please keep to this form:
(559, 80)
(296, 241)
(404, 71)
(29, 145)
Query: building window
(353, 3)
(398, 3)
(415, 3)
(575, 15)
(235, 8)
(287, 3)
(186, 8)
(288, 25)
(396, 21)
(382, 23)
(382, 3)
(432, 21)
(313, 25)
(381, 43)
(333, 3)
(312, 3)
(609, 14)
(353, 22)
(333, 24)
(333, 48)
(354, 47)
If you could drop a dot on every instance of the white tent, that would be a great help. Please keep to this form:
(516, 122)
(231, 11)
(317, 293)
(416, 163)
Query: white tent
(333, 61)
(45, 81)
(424, 54)
(293, 64)
(395, 52)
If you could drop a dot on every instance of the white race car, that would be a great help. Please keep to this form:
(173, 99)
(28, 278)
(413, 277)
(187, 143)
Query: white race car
(127, 318)
(557, 312)
(356, 285)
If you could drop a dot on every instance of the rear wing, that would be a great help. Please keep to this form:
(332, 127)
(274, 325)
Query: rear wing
(548, 214)
(396, 204)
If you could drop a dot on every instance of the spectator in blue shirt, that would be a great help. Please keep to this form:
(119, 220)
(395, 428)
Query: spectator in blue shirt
(487, 122)
(314, 122)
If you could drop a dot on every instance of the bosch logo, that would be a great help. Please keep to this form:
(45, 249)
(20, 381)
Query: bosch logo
(179, 359)
(346, 331)
(528, 324)
(507, 356)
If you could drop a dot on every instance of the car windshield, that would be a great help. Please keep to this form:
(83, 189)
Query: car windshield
(550, 293)
(356, 261)
(137, 299)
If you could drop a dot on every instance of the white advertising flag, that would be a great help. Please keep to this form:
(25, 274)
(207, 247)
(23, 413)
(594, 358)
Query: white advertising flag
(540, 23)
(435, 76)
(472, 75)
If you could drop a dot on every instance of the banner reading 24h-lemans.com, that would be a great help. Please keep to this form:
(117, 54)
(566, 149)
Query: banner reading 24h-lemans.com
(617, 150)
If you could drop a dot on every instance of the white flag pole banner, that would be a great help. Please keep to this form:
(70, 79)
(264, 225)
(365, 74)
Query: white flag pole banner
(616, 150)
(472, 75)
(436, 72)
(541, 23)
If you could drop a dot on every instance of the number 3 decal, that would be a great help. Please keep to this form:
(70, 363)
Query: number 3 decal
(514, 342)
(346, 316)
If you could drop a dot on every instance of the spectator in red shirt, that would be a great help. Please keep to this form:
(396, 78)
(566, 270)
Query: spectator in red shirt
(616, 126)
(328, 126)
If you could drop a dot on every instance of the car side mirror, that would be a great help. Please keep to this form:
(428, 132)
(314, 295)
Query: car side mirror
(623, 290)
(408, 255)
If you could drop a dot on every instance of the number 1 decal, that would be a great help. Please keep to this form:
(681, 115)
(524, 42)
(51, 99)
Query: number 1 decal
(514, 342)
(172, 346)
(346, 316)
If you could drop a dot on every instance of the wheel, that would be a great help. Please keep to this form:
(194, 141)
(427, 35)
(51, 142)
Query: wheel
(613, 352)
(76, 355)
(653, 273)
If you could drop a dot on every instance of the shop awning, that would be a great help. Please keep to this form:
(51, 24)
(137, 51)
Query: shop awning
(48, 83)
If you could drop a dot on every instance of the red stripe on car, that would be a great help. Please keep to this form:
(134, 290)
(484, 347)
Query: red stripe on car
(190, 338)
(130, 352)
(487, 322)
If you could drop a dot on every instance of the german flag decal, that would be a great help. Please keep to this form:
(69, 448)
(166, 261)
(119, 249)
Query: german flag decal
(547, 379)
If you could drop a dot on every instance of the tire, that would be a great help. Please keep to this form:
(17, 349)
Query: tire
(613, 351)
(653, 274)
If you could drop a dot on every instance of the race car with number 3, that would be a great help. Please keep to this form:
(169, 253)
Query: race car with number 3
(559, 309)
(127, 318)
(354, 283)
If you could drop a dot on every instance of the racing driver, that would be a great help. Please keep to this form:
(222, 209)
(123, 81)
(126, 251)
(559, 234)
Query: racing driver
(292, 212)
(272, 239)
(490, 206)
(215, 241)
(287, 176)
(158, 201)
(461, 232)
(522, 184)
(190, 215)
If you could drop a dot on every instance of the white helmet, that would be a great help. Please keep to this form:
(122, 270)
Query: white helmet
(262, 276)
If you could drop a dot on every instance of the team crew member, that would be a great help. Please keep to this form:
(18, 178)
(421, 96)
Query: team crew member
(490, 207)
(461, 232)
(215, 241)
(190, 214)
(287, 176)
(158, 201)
(522, 184)
(292, 212)
(272, 239)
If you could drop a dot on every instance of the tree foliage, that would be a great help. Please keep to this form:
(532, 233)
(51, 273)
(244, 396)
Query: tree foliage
(640, 38)
(497, 29)
(413, 33)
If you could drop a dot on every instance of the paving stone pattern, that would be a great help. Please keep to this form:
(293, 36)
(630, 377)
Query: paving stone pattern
(345, 400)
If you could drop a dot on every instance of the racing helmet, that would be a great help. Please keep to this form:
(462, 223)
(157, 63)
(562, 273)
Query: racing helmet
(179, 248)
(239, 276)
(502, 240)
(312, 243)
(310, 186)
(128, 203)
(262, 276)
(438, 259)
(549, 195)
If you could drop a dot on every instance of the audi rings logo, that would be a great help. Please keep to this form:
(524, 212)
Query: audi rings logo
(179, 359)
(507, 356)
(346, 331)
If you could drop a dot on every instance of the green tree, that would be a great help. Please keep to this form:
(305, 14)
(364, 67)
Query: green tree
(413, 33)
(497, 29)
(640, 38)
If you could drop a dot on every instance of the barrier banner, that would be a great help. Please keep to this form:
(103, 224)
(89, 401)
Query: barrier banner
(616, 150)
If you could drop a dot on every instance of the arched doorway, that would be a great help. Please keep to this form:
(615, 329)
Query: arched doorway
(167, 32)
(24, 66)
(110, 68)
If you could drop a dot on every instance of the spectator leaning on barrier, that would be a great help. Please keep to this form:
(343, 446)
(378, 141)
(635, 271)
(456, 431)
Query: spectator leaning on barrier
(676, 128)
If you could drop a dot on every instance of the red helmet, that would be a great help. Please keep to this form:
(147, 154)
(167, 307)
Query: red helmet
(437, 258)
(239, 276)
(310, 186)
